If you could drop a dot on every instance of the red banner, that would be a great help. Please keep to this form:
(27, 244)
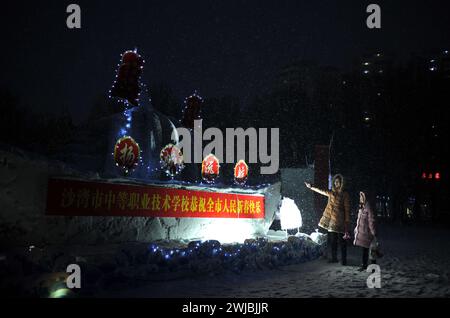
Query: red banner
(86, 198)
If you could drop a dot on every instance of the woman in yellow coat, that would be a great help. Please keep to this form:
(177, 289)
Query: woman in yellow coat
(336, 217)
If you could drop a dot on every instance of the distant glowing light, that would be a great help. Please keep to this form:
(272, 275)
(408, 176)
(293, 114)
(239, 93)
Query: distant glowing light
(366, 71)
(424, 175)
(430, 176)
(437, 176)
(60, 293)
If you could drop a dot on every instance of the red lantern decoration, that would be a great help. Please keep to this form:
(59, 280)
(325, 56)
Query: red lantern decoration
(192, 110)
(240, 172)
(126, 153)
(126, 85)
(171, 160)
(210, 168)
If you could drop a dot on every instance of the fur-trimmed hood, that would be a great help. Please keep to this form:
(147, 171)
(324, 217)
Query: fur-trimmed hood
(342, 181)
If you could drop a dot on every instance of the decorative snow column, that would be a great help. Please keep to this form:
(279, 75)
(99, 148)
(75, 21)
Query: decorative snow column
(150, 129)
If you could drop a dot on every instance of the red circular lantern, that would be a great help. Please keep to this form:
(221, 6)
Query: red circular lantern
(210, 168)
(172, 161)
(126, 153)
(241, 172)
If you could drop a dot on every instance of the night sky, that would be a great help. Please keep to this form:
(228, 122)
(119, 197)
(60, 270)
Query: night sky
(227, 48)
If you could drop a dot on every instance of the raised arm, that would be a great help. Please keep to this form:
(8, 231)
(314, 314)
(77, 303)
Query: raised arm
(322, 192)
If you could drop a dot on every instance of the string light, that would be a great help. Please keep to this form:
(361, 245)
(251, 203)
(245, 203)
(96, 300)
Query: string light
(232, 252)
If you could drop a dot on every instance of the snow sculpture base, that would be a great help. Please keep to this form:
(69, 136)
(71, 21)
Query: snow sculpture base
(24, 221)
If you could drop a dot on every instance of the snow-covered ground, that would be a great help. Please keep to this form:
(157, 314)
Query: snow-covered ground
(416, 264)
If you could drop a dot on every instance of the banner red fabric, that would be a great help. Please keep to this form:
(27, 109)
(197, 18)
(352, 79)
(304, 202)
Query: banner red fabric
(85, 198)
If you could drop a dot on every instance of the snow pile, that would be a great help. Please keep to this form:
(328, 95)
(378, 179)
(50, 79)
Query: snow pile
(128, 264)
(212, 257)
(290, 216)
(318, 237)
(292, 185)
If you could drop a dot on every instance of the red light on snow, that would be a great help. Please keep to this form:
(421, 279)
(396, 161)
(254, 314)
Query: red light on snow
(437, 175)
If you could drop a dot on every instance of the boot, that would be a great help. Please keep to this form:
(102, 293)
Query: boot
(333, 243)
(365, 259)
(343, 244)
